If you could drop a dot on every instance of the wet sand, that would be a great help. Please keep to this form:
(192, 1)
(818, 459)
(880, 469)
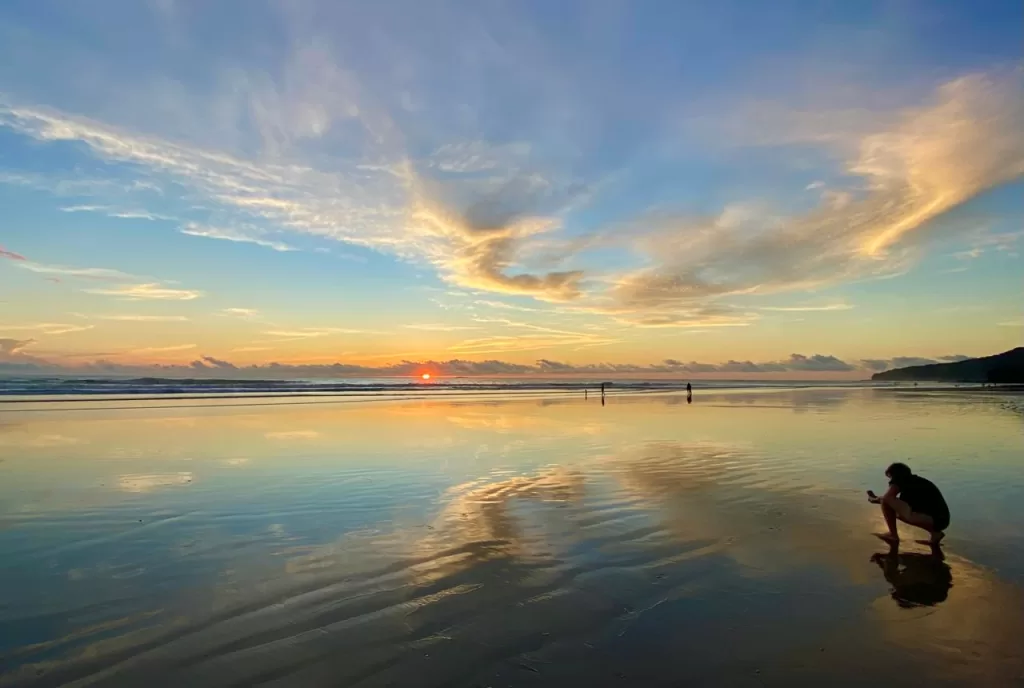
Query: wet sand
(527, 541)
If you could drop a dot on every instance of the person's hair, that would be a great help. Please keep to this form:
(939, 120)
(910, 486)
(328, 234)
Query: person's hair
(898, 471)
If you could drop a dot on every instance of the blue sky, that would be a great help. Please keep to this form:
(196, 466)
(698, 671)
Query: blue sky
(808, 188)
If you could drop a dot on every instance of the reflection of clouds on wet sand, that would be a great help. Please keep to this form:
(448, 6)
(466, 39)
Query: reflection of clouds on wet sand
(757, 502)
(495, 544)
(524, 573)
(147, 482)
(504, 423)
(39, 441)
(482, 518)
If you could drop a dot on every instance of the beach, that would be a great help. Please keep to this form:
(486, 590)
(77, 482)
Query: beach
(530, 537)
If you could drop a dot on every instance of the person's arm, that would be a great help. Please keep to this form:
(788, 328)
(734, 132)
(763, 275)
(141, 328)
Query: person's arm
(893, 491)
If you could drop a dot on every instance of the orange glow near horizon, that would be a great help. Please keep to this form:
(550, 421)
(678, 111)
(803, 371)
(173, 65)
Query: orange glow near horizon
(425, 376)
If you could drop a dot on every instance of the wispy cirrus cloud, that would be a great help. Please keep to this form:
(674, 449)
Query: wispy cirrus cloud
(146, 292)
(439, 327)
(235, 235)
(82, 273)
(125, 285)
(808, 309)
(313, 332)
(524, 336)
(48, 328)
(120, 213)
(11, 255)
(490, 303)
(144, 318)
(164, 349)
(241, 312)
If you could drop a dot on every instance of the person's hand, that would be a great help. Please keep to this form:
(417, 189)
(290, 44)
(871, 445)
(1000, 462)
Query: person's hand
(873, 498)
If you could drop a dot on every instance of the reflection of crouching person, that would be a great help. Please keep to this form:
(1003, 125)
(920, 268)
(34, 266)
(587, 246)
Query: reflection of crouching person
(914, 500)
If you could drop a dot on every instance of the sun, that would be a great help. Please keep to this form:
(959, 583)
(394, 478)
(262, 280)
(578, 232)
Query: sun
(425, 376)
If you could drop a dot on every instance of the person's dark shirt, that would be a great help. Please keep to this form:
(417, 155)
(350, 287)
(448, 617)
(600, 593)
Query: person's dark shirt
(923, 496)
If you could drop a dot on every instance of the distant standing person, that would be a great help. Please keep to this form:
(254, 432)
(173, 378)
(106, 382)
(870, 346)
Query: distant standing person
(689, 389)
(914, 500)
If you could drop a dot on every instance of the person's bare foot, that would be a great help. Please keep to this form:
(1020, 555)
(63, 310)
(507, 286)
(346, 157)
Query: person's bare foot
(888, 537)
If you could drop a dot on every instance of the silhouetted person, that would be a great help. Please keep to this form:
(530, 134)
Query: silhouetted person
(689, 389)
(914, 500)
(917, 579)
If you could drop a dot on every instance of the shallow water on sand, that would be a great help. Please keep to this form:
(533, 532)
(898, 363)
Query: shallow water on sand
(530, 541)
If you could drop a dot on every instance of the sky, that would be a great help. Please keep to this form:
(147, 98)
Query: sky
(788, 189)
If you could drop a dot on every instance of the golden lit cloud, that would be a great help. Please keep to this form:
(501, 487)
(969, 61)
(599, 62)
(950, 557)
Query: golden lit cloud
(145, 292)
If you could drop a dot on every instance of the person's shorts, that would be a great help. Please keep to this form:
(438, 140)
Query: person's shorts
(941, 521)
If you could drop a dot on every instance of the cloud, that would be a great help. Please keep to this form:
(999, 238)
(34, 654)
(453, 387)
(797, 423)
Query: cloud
(151, 291)
(880, 364)
(9, 346)
(911, 169)
(439, 327)
(49, 328)
(505, 306)
(456, 187)
(905, 361)
(218, 363)
(535, 337)
(144, 318)
(164, 349)
(802, 309)
(797, 364)
(241, 312)
(472, 230)
(234, 235)
(346, 206)
(973, 253)
(312, 332)
(11, 255)
(141, 289)
(669, 314)
(114, 212)
(103, 274)
(477, 240)
(478, 156)
(242, 349)
(817, 363)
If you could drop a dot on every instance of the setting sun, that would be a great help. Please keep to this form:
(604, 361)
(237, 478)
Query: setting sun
(425, 376)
